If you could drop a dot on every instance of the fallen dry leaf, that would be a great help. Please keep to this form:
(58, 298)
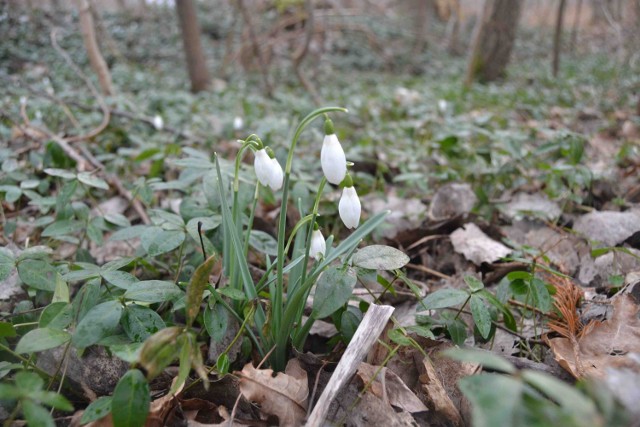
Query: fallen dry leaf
(389, 387)
(436, 395)
(161, 407)
(603, 345)
(284, 395)
(476, 246)
(531, 205)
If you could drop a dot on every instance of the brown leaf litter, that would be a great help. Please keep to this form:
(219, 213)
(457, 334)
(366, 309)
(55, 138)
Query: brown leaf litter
(588, 350)
(284, 395)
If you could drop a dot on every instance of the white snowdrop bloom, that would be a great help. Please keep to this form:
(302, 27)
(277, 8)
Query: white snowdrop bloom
(268, 170)
(442, 106)
(277, 175)
(333, 160)
(158, 123)
(238, 123)
(318, 245)
(349, 207)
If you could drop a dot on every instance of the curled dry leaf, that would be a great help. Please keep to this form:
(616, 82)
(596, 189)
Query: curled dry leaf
(605, 344)
(388, 386)
(476, 246)
(436, 395)
(284, 395)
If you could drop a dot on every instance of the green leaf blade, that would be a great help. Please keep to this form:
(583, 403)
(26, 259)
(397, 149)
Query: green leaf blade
(42, 339)
(197, 285)
(130, 400)
(99, 321)
(380, 257)
(443, 298)
(333, 290)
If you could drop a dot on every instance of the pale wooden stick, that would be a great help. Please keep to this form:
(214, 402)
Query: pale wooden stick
(370, 328)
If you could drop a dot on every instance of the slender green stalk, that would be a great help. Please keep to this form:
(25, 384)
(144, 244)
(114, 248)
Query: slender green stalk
(279, 355)
(251, 218)
(236, 246)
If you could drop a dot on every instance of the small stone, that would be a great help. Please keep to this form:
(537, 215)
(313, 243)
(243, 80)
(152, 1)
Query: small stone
(451, 200)
(524, 205)
(96, 369)
(609, 228)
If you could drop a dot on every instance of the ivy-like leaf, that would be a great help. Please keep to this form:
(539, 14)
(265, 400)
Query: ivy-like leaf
(100, 321)
(130, 400)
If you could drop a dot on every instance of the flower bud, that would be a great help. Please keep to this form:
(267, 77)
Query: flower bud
(349, 207)
(238, 123)
(268, 170)
(333, 160)
(318, 245)
(158, 123)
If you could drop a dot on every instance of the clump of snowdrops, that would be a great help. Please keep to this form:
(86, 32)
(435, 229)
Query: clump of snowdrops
(272, 310)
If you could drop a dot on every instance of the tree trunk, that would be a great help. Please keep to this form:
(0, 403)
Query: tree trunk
(576, 25)
(196, 64)
(493, 40)
(557, 37)
(453, 39)
(420, 23)
(93, 50)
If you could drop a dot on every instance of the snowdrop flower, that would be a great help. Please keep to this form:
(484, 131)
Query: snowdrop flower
(349, 206)
(318, 244)
(268, 170)
(442, 106)
(158, 123)
(332, 158)
(238, 123)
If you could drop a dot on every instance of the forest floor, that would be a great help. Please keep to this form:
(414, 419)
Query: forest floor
(514, 202)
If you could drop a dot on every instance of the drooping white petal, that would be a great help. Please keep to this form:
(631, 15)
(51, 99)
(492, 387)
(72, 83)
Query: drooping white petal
(238, 123)
(263, 167)
(349, 207)
(333, 160)
(318, 245)
(158, 123)
(442, 106)
(276, 175)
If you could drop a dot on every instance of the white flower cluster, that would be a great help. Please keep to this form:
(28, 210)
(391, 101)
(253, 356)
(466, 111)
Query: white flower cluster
(334, 166)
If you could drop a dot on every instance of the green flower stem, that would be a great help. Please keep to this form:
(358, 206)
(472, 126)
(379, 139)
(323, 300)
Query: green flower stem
(302, 333)
(251, 218)
(29, 363)
(236, 252)
(236, 176)
(280, 353)
(303, 276)
(295, 230)
(314, 215)
(251, 142)
(303, 124)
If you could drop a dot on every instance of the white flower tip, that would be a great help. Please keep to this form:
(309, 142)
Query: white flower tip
(238, 123)
(318, 245)
(349, 208)
(158, 123)
(333, 159)
(268, 170)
